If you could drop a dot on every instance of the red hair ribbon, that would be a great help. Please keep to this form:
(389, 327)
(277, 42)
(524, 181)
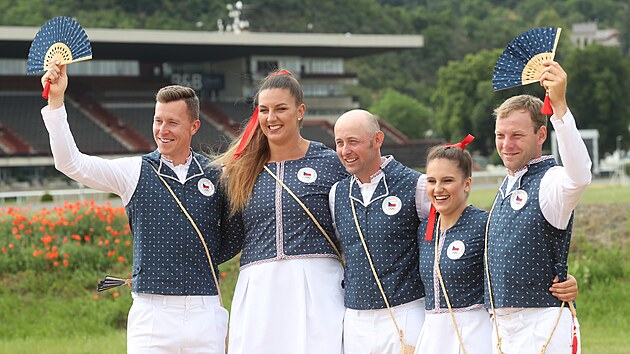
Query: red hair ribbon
(428, 236)
(462, 144)
(247, 135)
(281, 72)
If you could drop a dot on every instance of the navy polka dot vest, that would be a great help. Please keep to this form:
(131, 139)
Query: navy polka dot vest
(461, 262)
(389, 224)
(169, 257)
(276, 226)
(525, 252)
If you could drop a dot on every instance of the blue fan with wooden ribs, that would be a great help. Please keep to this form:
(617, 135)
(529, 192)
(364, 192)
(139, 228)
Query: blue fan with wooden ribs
(60, 39)
(522, 60)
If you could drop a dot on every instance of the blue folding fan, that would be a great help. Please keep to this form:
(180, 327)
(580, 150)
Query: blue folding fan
(60, 39)
(521, 61)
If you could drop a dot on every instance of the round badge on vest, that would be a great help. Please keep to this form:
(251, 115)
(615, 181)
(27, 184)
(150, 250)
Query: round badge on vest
(307, 175)
(456, 249)
(518, 199)
(206, 187)
(392, 205)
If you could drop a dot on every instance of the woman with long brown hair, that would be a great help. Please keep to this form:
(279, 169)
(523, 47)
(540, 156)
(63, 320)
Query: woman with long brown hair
(289, 296)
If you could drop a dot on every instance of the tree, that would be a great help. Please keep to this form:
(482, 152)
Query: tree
(599, 92)
(464, 100)
(409, 116)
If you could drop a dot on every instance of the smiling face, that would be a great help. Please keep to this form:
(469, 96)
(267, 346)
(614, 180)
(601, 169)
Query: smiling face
(173, 129)
(447, 186)
(517, 140)
(358, 144)
(279, 115)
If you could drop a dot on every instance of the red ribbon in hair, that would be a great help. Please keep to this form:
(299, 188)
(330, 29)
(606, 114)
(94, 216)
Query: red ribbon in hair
(247, 136)
(462, 144)
(253, 124)
(428, 236)
(281, 72)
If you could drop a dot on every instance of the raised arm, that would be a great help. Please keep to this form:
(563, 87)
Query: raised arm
(119, 176)
(562, 187)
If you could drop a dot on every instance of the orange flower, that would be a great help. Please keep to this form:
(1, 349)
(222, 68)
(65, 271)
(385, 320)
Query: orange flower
(65, 262)
(18, 236)
(46, 239)
(128, 244)
(95, 297)
(223, 274)
(11, 245)
(56, 263)
(116, 294)
(121, 259)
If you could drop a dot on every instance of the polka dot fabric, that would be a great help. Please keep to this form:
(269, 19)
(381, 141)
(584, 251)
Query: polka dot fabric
(276, 226)
(168, 257)
(510, 65)
(524, 251)
(462, 272)
(391, 239)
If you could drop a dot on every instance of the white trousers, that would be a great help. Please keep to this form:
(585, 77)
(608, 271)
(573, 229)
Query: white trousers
(168, 324)
(373, 331)
(526, 330)
(438, 333)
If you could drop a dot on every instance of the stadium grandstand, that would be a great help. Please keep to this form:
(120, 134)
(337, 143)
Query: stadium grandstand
(110, 99)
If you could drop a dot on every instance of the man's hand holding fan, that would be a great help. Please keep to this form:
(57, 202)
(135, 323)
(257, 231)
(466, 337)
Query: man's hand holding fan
(526, 59)
(60, 41)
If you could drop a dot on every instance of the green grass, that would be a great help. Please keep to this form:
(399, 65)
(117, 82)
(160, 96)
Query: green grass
(111, 342)
(603, 274)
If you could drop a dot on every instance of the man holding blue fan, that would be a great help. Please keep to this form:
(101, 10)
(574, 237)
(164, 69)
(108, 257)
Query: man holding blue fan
(176, 306)
(529, 228)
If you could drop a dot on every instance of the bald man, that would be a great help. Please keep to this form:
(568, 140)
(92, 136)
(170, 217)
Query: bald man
(387, 201)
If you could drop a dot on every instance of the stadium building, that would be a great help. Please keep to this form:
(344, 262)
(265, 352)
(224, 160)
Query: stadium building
(110, 99)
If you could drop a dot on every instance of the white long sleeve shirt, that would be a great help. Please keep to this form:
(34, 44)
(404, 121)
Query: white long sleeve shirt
(562, 186)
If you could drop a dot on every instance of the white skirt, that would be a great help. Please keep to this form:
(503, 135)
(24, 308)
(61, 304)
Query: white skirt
(288, 306)
(438, 333)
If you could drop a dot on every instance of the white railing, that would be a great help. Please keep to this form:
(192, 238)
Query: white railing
(35, 196)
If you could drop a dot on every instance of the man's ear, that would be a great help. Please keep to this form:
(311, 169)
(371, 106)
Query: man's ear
(194, 128)
(378, 138)
(541, 135)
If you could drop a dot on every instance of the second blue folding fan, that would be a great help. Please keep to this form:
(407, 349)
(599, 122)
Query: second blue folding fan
(522, 60)
(61, 39)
